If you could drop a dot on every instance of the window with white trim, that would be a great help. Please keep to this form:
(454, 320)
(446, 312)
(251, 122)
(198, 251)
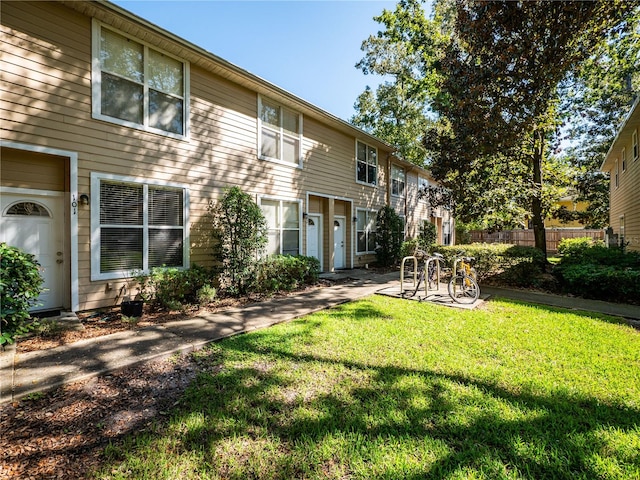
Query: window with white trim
(617, 175)
(366, 164)
(624, 160)
(621, 229)
(398, 180)
(446, 232)
(283, 224)
(280, 133)
(634, 142)
(403, 228)
(138, 86)
(137, 226)
(366, 231)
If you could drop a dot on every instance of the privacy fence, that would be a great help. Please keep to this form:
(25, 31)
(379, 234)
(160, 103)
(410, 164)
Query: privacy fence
(525, 237)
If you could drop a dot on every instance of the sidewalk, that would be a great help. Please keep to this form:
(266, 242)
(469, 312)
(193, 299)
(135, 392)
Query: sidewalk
(25, 373)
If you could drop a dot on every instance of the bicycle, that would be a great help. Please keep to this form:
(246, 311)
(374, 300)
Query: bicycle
(463, 286)
(425, 264)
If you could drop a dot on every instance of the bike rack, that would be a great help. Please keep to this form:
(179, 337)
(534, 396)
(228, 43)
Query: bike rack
(415, 274)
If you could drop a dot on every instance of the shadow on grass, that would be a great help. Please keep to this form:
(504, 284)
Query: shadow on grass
(527, 435)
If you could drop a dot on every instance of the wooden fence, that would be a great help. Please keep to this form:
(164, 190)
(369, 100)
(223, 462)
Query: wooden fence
(525, 237)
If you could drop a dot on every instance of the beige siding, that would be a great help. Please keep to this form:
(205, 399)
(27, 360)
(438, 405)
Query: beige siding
(45, 100)
(32, 170)
(625, 199)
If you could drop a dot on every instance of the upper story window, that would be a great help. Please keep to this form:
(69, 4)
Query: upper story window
(634, 142)
(397, 181)
(616, 181)
(624, 159)
(280, 133)
(366, 163)
(138, 86)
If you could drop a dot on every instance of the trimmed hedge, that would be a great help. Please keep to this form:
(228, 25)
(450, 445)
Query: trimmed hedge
(511, 264)
(589, 269)
(285, 273)
(170, 288)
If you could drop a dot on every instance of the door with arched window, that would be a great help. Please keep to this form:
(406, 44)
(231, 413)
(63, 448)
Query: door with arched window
(35, 224)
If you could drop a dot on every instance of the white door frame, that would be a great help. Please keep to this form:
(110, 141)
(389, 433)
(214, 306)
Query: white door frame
(350, 202)
(343, 219)
(317, 217)
(70, 206)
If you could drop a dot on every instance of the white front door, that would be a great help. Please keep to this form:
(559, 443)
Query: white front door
(338, 242)
(314, 241)
(35, 223)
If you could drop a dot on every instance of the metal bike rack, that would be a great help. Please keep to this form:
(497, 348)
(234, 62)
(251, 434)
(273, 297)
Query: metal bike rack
(415, 273)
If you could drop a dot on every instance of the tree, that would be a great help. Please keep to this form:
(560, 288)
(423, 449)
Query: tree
(498, 97)
(397, 112)
(240, 234)
(389, 236)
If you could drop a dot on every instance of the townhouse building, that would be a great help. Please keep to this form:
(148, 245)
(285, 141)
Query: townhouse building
(117, 136)
(623, 166)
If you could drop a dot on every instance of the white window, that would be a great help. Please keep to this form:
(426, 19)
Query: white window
(446, 233)
(403, 228)
(283, 223)
(624, 160)
(397, 181)
(617, 175)
(366, 164)
(136, 226)
(280, 136)
(621, 229)
(634, 142)
(138, 86)
(366, 231)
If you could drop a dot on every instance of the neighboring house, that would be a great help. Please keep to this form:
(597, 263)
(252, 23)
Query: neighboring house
(569, 202)
(623, 165)
(118, 135)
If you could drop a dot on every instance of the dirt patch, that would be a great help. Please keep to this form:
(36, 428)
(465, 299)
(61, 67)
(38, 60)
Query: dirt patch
(63, 433)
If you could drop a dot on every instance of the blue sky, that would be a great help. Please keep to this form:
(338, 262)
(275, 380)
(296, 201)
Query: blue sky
(308, 48)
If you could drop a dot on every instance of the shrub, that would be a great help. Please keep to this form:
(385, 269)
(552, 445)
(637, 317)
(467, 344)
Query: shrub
(602, 282)
(506, 263)
(408, 248)
(173, 288)
(589, 269)
(240, 233)
(285, 273)
(428, 235)
(20, 286)
(389, 236)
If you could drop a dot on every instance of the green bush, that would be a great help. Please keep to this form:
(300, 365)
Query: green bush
(20, 286)
(509, 264)
(602, 282)
(589, 269)
(172, 288)
(239, 233)
(285, 273)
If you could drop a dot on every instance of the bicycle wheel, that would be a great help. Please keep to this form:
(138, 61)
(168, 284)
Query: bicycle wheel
(463, 289)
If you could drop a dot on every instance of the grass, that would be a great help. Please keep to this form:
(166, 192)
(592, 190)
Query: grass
(392, 389)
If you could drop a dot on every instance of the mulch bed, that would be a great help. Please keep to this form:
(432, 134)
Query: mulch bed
(62, 434)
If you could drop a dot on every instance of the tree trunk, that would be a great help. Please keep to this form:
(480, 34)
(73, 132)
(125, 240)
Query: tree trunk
(536, 202)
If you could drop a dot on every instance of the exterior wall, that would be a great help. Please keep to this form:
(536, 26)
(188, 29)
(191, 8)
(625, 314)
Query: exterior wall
(571, 206)
(625, 195)
(46, 99)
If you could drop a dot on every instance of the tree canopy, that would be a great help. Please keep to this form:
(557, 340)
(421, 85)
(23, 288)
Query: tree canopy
(495, 75)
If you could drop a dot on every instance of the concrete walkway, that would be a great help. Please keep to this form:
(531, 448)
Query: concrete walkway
(25, 373)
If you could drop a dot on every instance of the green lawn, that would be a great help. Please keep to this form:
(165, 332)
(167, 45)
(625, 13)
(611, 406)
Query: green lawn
(394, 389)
